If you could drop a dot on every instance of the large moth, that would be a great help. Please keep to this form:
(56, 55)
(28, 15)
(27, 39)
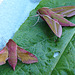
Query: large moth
(12, 51)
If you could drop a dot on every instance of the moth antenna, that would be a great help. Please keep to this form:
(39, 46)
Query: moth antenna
(36, 21)
(34, 15)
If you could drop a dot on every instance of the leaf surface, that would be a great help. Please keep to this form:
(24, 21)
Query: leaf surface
(42, 42)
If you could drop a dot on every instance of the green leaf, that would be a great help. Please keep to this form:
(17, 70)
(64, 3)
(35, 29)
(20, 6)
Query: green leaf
(42, 42)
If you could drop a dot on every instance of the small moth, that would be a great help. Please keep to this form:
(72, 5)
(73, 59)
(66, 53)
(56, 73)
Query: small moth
(12, 51)
(55, 17)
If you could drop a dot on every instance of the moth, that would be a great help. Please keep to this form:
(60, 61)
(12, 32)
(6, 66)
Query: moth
(12, 52)
(55, 17)
(65, 11)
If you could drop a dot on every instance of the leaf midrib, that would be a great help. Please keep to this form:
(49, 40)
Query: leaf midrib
(62, 53)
